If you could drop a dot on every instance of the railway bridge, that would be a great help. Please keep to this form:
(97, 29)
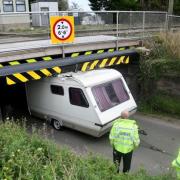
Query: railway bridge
(21, 62)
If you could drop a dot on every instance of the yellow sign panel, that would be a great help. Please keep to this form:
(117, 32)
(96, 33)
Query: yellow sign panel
(62, 29)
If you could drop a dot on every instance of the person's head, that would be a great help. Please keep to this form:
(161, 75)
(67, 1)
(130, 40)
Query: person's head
(124, 114)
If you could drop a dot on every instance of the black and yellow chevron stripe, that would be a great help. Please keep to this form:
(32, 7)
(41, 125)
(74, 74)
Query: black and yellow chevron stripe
(48, 58)
(87, 66)
(30, 75)
(36, 75)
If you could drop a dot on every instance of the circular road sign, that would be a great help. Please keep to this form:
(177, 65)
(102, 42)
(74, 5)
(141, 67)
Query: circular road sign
(62, 29)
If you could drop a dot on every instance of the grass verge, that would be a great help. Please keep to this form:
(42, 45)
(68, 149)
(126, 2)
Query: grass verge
(29, 157)
(161, 104)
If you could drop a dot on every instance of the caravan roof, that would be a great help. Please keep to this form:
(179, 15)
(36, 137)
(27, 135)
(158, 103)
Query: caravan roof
(99, 76)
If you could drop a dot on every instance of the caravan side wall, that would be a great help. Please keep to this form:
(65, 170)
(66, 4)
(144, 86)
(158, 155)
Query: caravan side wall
(44, 104)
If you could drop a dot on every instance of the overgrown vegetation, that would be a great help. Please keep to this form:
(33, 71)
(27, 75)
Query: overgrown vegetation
(162, 103)
(163, 62)
(165, 45)
(29, 157)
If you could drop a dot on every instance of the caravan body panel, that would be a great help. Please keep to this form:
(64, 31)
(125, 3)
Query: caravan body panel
(88, 102)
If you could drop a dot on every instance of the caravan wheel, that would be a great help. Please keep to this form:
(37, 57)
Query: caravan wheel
(56, 124)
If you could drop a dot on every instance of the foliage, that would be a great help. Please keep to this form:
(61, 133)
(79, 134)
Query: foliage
(177, 7)
(62, 5)
(28, 157)
(97, 5)
(155, 69)
(113, 4)
(163, 62)
(148, 5)
(165, 45)
(154, 5)
(161, 102)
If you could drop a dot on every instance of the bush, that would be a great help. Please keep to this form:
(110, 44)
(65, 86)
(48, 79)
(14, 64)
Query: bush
(162, 103)
(166, 45)
(162, 63)
(29, 157)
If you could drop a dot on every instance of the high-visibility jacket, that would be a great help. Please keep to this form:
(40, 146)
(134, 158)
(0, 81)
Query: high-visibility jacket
(176, 165)
(124, 135)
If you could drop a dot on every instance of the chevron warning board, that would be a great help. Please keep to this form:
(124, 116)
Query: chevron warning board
(47, 72)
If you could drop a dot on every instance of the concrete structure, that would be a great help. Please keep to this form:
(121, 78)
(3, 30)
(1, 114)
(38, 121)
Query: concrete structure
(96, 19)
(43, 5)
(33, 49)
(86, 53)
(9, 20)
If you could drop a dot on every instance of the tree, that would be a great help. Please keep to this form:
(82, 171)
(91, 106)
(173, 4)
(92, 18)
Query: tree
(114, 4)
(63, 5)
(97, 5)
(145, 5)
(122, 5)
(177, 7)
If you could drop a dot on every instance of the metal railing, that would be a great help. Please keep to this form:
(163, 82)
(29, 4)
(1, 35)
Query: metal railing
(126, 24)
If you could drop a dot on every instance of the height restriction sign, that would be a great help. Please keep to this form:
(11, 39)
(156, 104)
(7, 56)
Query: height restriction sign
(62, 29)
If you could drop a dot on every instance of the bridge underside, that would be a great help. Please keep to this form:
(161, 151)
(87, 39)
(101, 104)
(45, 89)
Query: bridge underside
(35, 69)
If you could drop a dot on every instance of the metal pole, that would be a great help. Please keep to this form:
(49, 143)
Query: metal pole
(171, 6)
(49, 30)
(130, 21)
(170, 12)
(0, 114)
(63, 53)
(144, 14)
(166, 24)
(117, 29)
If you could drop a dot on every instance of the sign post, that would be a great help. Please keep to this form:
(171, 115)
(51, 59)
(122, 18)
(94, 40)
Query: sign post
(62, 29)
(1, 114)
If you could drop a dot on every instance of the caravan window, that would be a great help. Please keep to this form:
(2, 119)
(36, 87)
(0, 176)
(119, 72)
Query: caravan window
(8, 5)
(77, 97)
(57, 90)
(110, 94)
(20, 6)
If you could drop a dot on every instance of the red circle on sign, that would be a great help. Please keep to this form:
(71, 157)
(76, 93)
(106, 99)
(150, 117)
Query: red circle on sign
(55, 27)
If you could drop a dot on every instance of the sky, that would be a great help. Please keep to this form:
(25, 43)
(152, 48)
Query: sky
(82, 4)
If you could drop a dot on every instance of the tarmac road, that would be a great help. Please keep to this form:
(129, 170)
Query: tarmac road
(161, 135)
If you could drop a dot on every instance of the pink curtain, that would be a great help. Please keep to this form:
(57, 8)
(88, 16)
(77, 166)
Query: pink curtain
(120, 91)
(100, 98)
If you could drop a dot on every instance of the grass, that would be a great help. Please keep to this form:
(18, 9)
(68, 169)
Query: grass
(29, 157)
(171, 43)
(165, 45)
(161, 104)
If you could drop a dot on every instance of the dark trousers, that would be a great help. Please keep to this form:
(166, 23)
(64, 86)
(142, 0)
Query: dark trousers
(126, 160)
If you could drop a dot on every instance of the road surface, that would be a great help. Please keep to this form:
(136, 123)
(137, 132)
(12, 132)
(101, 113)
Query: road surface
(161, 134)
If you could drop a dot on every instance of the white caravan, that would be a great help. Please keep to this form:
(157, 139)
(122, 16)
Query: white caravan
(85, 101)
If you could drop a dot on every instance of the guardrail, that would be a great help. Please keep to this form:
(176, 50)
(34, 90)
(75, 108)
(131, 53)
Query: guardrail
(126, 24)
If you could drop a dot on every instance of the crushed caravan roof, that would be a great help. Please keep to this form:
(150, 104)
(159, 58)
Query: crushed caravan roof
(99, 76)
